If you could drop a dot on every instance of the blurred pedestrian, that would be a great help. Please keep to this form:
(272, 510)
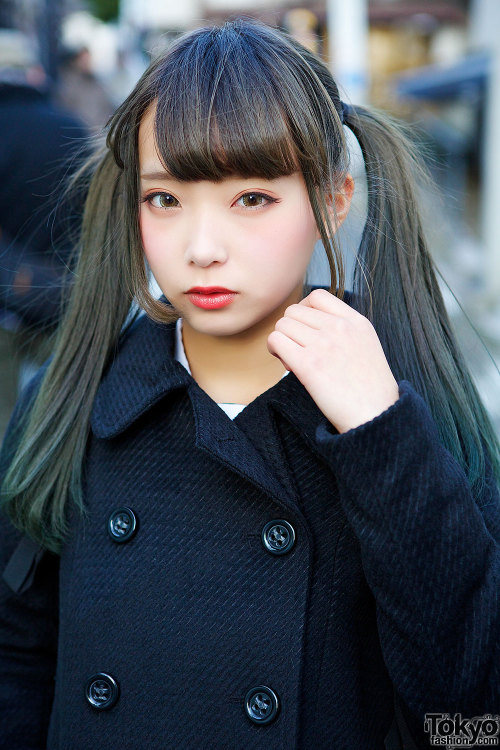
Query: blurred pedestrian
(38, 142)
(80, 91)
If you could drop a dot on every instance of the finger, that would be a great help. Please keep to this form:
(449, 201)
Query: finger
(320, 299)
(285, 349)
(299, 332)
(310, 316)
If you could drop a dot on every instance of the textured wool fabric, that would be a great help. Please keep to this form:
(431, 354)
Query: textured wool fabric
(392, 583)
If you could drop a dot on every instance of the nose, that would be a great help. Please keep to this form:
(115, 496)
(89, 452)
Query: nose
(204, 243)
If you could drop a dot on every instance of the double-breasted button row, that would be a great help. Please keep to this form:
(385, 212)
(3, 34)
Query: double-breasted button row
(261, 703)
(278, 536)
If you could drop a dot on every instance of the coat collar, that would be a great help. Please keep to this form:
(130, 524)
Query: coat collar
(145, 371)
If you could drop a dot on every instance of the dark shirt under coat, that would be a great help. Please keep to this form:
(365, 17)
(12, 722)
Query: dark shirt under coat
(392, 582)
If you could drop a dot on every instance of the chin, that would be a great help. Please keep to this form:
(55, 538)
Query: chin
(226, 325)
(218, 329)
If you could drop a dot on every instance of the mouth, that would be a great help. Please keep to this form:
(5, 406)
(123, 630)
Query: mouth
(210, 290)
(210, 297)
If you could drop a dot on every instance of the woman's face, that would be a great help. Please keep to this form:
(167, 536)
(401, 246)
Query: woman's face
(252, 236)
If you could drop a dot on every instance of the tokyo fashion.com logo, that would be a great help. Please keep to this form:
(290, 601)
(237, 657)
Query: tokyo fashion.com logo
(455, 731)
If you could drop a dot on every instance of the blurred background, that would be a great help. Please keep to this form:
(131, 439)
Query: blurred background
(434, 63)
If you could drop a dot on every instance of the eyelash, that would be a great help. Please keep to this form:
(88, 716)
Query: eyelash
(268, 198)
(149, 199)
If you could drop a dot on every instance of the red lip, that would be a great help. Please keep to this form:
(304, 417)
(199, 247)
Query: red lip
(209, 290)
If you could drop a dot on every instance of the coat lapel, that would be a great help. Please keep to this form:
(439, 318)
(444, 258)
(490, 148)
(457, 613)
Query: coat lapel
(223, 439)
(142, 372)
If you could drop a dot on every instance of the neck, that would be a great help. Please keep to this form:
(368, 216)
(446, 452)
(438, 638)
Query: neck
(239, 367)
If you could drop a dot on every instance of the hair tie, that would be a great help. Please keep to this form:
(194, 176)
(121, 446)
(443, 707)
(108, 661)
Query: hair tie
(345, 111)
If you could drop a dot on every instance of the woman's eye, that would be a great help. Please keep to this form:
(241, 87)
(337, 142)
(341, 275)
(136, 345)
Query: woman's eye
(255, 200)
(162, 200)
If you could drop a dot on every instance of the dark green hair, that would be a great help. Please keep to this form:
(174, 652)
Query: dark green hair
(241, 99)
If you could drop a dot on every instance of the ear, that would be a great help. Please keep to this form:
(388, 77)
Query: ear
(338, 208)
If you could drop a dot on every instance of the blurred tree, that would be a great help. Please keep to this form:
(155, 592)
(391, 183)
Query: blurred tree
(106, 10)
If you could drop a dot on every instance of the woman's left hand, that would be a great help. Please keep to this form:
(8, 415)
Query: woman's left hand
(336, 354)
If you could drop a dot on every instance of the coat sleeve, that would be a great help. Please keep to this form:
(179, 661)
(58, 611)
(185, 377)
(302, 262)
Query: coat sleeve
(28, 621)
(431, 556)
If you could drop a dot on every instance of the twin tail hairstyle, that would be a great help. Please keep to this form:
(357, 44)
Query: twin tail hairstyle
(240, 99)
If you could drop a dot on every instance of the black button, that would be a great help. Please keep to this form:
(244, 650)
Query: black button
(122, 525)
(261, 704)
(278, 537)
(102, 691)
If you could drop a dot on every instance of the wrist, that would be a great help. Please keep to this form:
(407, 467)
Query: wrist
(368, 412)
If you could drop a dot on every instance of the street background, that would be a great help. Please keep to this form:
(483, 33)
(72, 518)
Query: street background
(434, 63)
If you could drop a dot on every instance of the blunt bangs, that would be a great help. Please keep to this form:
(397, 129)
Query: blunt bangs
(219, 111)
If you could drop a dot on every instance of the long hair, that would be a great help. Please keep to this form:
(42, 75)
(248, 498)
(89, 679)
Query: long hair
(244, 99)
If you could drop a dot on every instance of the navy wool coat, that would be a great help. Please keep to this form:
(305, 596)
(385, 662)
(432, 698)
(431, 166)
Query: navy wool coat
(261, 583)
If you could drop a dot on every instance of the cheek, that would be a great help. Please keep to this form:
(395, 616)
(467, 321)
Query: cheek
(293, 237)
(146, 232)
(153, 240)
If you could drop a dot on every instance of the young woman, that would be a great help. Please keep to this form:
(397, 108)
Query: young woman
(261, 515)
